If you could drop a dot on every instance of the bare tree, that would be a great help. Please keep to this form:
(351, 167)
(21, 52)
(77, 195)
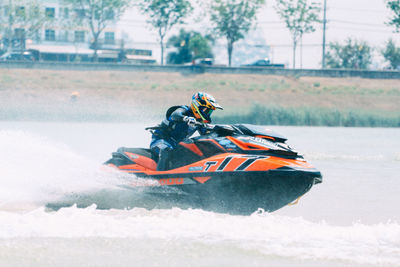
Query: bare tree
(232, 19)
(20, 20)
(300, 17)
(98, 14)
(164, 14)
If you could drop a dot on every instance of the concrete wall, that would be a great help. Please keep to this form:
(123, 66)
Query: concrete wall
(205, 69)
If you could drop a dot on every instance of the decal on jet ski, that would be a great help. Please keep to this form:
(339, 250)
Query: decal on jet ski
(265, 142)
(202, 180)
(171, 181)
(243, 166)
(226, 144)
(209, 164)
(224, 163)
(196, 168)
(250, 160)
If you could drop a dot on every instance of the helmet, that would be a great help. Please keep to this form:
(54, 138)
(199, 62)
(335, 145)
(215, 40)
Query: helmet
(203, 105)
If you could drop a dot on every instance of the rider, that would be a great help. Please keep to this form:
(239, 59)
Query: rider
(180, 123)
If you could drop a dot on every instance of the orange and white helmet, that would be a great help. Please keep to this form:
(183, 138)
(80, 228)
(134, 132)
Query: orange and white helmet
(203, 105)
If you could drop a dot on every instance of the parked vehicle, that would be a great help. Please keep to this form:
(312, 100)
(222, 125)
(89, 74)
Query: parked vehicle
(264, 63)
(260, 62)
(203, 61)
(17, 56)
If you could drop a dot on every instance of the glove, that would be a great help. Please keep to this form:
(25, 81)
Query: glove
(190, 120)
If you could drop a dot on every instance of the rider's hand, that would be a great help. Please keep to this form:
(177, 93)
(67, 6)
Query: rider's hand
(190, 120)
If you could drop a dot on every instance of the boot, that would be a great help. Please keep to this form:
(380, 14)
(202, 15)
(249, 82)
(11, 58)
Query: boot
(162, 164)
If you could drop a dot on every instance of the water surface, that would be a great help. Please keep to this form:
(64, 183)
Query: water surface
(351, 219)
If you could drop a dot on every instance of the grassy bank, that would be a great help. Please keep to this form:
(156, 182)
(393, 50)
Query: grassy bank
(27, 94)
(313, 116)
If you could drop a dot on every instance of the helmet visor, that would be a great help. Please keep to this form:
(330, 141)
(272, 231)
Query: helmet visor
(207, 111)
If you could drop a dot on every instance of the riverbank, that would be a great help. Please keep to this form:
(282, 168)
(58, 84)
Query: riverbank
(28, 94)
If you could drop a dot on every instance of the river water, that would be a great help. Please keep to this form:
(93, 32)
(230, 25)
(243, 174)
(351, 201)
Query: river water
(351, 219)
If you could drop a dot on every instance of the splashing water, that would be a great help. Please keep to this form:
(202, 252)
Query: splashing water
(35, 169)
(268, 234)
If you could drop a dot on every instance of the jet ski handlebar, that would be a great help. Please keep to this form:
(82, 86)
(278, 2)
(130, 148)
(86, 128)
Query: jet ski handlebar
(219, 129)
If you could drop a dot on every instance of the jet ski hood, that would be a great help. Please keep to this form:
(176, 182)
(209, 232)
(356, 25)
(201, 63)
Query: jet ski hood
(252, 130)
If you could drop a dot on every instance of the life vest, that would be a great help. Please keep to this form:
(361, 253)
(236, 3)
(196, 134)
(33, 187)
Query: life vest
(167, 121)
(173, 108)
(172, 130)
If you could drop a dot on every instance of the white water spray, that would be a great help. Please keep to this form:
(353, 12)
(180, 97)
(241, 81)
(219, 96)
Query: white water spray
(35, 169)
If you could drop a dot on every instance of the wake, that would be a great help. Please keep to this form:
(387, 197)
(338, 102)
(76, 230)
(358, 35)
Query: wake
(261, 233)
(35, 171)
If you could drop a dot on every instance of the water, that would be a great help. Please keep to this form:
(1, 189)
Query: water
(351, 219)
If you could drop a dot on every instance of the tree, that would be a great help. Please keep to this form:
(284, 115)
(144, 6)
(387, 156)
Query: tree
(300, 17)
(98, 14)
(200, 46)
(351, 55)
(21, 20)
(232, 19)
(181, 43)
(164, 14)
(394, 5)
(190, 45)
(392, 54)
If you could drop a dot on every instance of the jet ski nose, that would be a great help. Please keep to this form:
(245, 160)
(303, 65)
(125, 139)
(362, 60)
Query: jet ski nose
(318, 179)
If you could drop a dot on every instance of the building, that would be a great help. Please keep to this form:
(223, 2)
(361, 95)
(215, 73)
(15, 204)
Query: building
(61, 37)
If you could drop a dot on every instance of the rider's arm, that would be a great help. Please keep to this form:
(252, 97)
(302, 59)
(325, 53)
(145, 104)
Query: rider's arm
(202, 130)
(178, 114)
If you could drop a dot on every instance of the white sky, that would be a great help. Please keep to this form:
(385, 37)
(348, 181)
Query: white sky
(360, 19)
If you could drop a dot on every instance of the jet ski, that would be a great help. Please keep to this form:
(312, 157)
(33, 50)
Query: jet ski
(236, 169)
